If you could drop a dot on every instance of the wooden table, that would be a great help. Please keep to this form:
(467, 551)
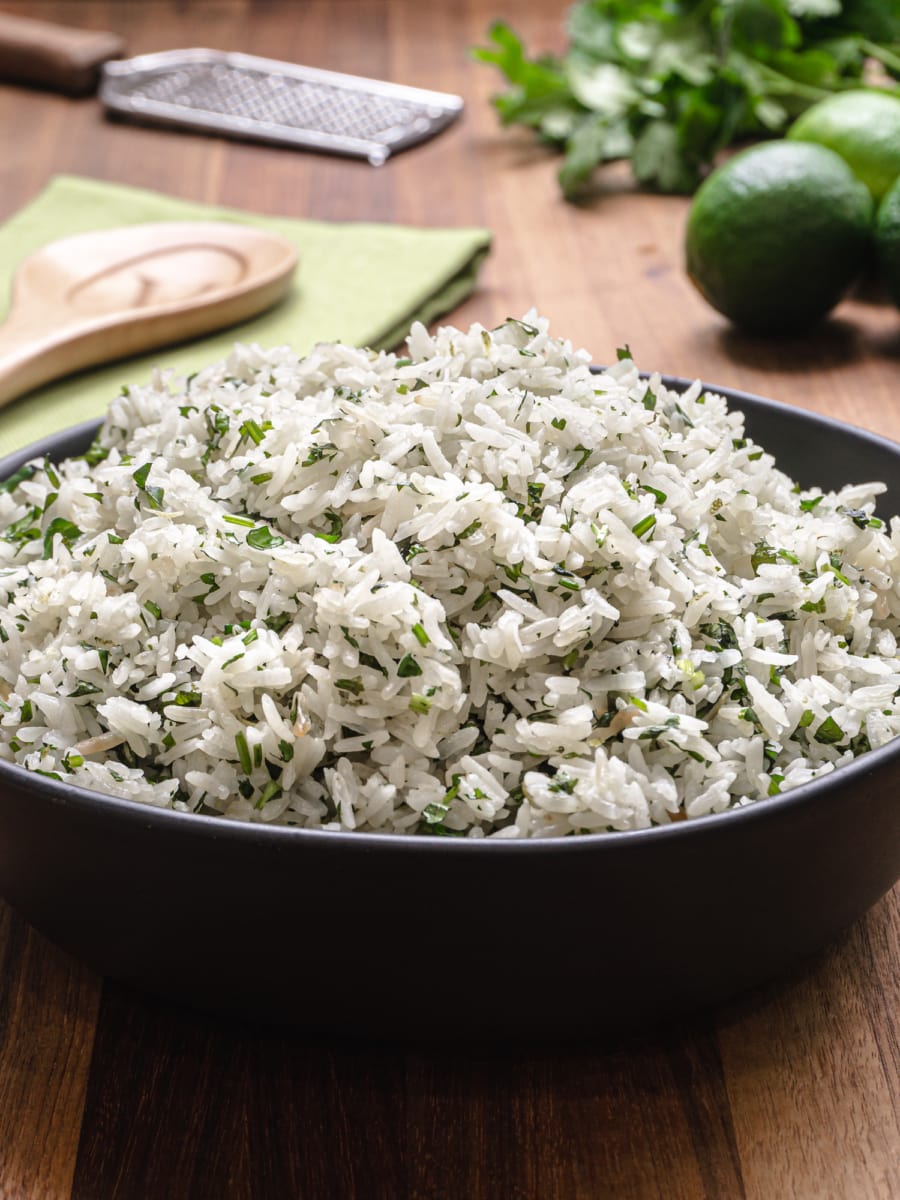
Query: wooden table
(791, 1092)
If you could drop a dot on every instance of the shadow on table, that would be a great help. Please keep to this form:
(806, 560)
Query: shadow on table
(199, 1105)
(835, 342)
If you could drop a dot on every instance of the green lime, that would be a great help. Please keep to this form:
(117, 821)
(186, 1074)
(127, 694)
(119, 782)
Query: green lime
(777, 235)
(863, 127)
(887, 241)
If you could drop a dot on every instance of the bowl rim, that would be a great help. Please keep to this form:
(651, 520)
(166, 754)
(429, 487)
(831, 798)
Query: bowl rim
(794, 801)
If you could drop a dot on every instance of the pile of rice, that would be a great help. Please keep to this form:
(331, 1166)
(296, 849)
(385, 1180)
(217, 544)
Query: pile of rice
(473, 591)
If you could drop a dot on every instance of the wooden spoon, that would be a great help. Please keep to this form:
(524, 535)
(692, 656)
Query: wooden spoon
(100, 296)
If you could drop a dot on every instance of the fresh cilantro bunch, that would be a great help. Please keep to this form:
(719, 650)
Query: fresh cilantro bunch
(670, 83)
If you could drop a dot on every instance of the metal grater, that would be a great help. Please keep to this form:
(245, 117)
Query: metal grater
(240, 95)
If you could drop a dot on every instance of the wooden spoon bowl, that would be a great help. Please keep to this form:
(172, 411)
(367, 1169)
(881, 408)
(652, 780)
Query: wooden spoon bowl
(100, 296)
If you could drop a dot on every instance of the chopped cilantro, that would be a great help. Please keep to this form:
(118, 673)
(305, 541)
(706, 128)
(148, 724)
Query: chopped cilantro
(829, 732)
(262, 538)
(65, 529)
(356, 686)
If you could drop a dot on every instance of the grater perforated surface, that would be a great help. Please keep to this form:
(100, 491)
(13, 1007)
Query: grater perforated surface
(244, 96)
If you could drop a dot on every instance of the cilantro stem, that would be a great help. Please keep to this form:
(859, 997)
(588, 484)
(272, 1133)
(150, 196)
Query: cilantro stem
(886, 57)
(240, 741)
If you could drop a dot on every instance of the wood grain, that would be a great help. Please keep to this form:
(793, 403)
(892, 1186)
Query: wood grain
(48, 1013)
(809, 1106)
(790, 1092)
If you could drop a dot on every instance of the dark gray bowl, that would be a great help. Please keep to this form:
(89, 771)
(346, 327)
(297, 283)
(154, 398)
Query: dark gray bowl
(436, 938)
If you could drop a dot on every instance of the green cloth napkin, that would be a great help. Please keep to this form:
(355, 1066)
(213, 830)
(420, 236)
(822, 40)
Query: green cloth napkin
(358, 283)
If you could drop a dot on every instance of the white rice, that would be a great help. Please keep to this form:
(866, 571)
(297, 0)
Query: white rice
(476, 591)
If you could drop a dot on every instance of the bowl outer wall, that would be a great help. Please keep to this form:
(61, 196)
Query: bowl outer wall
(393, 936)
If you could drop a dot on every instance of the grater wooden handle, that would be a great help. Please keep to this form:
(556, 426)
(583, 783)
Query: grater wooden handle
(54, 56)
